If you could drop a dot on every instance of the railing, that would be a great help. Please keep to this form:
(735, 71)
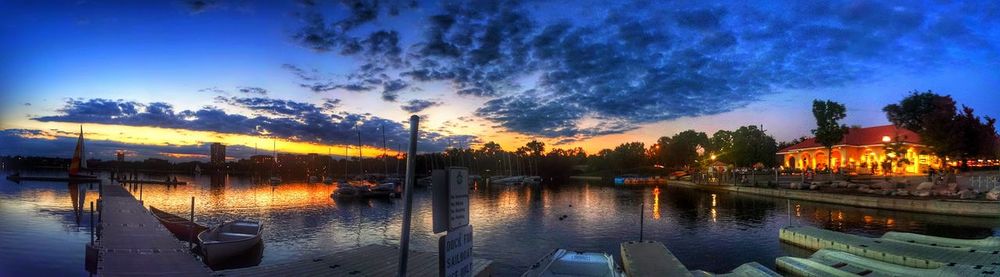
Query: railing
(984, 183)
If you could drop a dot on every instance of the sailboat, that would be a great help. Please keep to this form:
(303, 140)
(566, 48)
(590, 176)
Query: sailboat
(78, 164)
(79, 161)
(275, 179)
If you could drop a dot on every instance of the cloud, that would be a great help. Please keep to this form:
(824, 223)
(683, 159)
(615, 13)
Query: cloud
(418, 105)
(253, 90)
(291, 120)
(199, 6)
(571, 75)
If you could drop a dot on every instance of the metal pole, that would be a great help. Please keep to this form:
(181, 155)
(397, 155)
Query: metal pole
(789, 211)
(190, 228)
(411, 178)
(91, 222)
(642, 215)
(140, 193)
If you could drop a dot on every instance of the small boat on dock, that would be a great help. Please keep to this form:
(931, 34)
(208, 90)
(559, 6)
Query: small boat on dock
(562, 262)
(231, 239)
(182, 228)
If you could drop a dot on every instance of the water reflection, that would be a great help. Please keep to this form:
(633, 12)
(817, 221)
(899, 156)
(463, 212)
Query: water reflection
(515, 225)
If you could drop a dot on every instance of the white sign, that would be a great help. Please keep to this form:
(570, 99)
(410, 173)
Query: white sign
(455, 253)
(458, 198)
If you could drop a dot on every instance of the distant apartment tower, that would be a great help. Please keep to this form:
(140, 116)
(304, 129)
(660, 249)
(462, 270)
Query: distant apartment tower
(218, 154)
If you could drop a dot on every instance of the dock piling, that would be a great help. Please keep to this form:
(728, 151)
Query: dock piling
(642, 220)
(190, 228)
(91, 222)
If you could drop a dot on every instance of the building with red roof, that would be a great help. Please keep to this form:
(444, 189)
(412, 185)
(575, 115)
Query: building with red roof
(862, 150)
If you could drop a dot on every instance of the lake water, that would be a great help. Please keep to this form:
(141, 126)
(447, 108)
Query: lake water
(42, 233)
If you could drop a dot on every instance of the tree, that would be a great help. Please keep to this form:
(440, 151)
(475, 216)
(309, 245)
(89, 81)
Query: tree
(721, 145)
(682, 148)
(536, 148)
(948, 132)
(630, 155)
(751, 145)
(931, 116)
(828, 130)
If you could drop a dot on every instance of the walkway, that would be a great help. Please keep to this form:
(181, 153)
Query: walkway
(132, 242)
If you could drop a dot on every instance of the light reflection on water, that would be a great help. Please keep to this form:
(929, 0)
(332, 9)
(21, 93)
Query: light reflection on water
(515, 225)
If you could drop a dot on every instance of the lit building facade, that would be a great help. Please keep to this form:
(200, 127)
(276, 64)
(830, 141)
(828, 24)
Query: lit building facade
(863, 151)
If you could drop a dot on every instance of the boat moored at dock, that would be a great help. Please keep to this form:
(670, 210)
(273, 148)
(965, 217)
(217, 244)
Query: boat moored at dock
(562, 262)
(182, 228)
(229, 240)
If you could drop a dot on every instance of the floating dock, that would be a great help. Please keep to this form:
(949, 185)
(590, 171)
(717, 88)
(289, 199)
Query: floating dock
(651, 258)
(132, 242)
(371, 260)
(908, 252)
(156, 182)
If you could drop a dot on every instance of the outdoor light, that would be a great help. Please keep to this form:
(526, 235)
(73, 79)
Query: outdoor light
(713, 157)
(886, 139)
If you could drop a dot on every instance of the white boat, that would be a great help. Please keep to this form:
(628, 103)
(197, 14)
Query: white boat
(532, 180)
(229, 240)
(562, 262)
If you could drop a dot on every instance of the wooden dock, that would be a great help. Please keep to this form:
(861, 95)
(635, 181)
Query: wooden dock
(132, 242)
(371, 260)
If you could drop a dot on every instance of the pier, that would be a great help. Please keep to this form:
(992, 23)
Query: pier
(132, 242)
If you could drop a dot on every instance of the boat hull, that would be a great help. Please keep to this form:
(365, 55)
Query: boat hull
(182, 228)
(222, 243)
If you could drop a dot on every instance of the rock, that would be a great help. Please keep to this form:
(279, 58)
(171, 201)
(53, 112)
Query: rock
(922, 193)
(994, 194)
(852, 185)
(814, 187)
(953, 187)
(967, 194)
(863, 187)
(925, 186)
(884, 192)
(902, 192)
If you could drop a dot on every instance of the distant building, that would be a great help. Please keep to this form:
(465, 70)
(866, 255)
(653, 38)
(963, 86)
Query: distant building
(218, 154)
(120, 155)
(863, 151)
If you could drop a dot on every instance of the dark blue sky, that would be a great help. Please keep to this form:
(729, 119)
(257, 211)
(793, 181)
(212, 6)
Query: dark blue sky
(589, 74)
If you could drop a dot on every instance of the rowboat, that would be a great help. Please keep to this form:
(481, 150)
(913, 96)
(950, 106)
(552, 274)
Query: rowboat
(562, 262)
(231, 239)
(182, 228)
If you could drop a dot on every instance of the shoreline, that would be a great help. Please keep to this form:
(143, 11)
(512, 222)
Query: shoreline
(971, 208)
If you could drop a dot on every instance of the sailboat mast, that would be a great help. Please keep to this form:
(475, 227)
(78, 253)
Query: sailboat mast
(361, 159)
(385, 153)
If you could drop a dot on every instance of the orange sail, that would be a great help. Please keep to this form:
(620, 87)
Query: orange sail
(79, 161)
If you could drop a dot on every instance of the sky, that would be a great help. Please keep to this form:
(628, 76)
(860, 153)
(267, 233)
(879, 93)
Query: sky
(166, 78)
